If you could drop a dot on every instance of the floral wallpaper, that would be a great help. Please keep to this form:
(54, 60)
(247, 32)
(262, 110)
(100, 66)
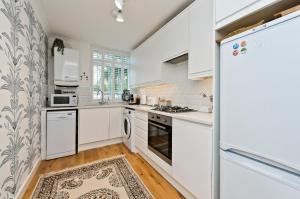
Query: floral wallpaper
(23, 66)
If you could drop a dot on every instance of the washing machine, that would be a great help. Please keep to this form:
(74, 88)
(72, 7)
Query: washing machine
(128, 129)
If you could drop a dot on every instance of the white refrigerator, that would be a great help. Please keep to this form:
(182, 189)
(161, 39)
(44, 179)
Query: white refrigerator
(260, 112)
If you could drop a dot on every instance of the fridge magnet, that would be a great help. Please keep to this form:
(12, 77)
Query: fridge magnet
(243, 44)
(235, 53)
(243, 51)
(236, 46)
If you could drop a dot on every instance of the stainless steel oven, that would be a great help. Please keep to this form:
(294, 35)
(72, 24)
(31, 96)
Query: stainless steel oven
(160, 136)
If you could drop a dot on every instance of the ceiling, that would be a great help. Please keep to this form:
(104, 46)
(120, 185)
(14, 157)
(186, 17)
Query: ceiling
(91, 20)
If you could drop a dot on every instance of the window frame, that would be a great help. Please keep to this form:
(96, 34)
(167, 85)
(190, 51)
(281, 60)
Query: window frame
(113, 64)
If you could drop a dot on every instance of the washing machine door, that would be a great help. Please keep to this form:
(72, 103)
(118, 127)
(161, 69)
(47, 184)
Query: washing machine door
(126, 128)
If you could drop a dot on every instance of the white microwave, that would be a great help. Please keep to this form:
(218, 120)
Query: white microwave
(63, 100)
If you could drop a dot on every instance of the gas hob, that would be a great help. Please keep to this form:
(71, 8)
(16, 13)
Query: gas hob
(173, 109)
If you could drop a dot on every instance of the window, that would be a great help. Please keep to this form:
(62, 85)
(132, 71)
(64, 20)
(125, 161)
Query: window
(110, 74)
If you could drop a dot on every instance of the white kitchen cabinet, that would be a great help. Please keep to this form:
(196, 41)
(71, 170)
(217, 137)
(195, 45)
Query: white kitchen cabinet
(141, 144)
(201, 39)
(146, 62)
(143, 125)
(115, 122)
(138, 66)
(134, 69)
(228, 11)
(141, 131)
(174, 36)
(192, 157)
(93, 125)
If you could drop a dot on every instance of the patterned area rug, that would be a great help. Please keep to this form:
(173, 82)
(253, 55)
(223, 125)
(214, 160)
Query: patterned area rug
(106, 179)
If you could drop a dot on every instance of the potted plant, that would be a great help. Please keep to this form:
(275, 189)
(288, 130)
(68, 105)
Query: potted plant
(60, 46)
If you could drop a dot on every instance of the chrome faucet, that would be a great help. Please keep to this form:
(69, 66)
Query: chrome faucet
(102, 96)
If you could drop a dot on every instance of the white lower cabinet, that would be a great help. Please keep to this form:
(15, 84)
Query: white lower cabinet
(192, 157)
(115, 122)
(141, 145)
(93, 125)
(141, 131)
(99, 124)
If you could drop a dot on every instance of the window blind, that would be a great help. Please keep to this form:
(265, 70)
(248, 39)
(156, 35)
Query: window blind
(110, 74)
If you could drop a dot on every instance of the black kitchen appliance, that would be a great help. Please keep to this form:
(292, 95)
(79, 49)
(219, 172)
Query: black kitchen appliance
(126, 95)
(160, 136)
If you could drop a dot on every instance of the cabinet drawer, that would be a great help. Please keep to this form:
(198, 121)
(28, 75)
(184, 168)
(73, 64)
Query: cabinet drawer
(141, 133)
(141, 115)
(141, 145)
(141, 124)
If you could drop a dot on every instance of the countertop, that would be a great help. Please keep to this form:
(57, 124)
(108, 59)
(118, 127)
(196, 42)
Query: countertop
(90, 106)
(197, 117)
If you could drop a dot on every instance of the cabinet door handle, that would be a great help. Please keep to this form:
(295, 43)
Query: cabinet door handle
(61, 117)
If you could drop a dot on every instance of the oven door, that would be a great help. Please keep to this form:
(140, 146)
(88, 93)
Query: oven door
(160, 140)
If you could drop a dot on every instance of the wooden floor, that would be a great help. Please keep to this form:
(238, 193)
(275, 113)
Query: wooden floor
(157, 185)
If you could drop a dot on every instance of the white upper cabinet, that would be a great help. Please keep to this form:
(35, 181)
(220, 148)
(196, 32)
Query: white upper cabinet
(146, 62)
(228, 11)
(192, 32)
(201, 39)
(147, 67)
(174, 36)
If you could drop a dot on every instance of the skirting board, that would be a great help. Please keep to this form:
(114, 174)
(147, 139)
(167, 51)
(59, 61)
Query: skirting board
(169, 178)
(28, 179)
(93, 145)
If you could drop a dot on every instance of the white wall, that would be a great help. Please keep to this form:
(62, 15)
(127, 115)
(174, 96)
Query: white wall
(180, 90)
(40, 14)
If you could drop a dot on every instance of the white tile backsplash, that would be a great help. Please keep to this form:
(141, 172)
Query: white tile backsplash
(182, 91)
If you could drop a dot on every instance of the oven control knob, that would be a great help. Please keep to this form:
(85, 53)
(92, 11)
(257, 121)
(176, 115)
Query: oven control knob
(166, 121)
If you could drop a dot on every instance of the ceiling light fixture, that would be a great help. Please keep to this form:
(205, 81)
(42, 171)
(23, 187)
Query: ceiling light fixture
(119, 17)
(119, 4)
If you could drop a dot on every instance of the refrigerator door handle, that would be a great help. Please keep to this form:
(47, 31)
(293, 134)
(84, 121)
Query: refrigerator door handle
(265, 161)
(268, 171)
